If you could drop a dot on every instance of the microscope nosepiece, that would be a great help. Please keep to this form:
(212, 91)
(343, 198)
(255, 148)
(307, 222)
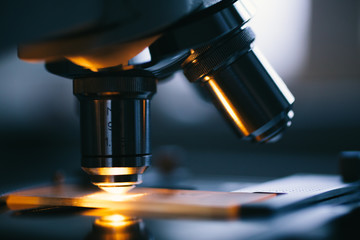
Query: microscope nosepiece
(115, 129)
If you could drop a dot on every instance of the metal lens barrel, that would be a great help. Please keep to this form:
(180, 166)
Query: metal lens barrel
(115, 128)
(244, 87)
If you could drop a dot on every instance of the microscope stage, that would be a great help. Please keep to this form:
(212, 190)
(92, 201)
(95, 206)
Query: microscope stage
(139, 201)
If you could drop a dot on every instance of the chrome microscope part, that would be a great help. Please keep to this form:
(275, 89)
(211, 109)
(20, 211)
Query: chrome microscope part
(244, 87)
(115, 128)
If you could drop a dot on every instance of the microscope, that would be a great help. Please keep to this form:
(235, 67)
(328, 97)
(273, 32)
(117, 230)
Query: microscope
(117, 51)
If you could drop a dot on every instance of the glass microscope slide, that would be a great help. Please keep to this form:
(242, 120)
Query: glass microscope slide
(139, 201)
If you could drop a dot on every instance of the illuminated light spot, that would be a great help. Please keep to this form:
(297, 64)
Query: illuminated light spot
(115, 221)
(115, 217)
(206, 78)
(114, 197)
(115, 170)
(291, 114)
(117, 190)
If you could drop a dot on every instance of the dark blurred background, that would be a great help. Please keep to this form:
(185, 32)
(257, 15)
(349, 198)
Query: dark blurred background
(314, 45)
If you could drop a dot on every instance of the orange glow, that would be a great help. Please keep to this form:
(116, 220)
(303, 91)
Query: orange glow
(115, 170)
(84, 62)
(117, 190)
(226, 103)
(101, 212)
(115, 184)
(115, 221)
(115, 218)
(111, 56)
(105, 196)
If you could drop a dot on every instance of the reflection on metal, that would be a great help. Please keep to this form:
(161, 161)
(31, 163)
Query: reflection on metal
(276, 78)
(227, 105)
(245, 9)
(114, 170)
(244, 87)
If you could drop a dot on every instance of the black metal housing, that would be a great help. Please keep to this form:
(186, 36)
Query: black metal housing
(115, 126)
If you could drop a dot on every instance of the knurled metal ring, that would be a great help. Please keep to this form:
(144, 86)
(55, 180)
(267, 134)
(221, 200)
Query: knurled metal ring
(133, 161)
(234, 43)
(96, 85)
